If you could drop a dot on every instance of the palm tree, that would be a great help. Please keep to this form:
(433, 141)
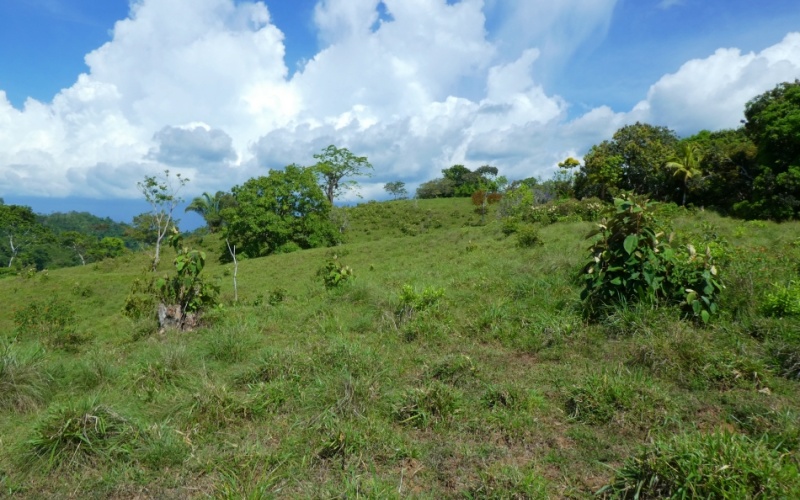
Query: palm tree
(686, 165)
(209, 207)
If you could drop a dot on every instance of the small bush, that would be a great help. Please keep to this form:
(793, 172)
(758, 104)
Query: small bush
(783, 300)
(412, 301)
(335, 274)
(720, 465)
(45, 319)
(528, 236)
(277, 296)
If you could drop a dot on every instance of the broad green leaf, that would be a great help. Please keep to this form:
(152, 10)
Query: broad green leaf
(631, 242)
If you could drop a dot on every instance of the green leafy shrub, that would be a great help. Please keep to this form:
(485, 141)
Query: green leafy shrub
(697, 465)
(45, 318)
(277, 296)
(52, 321)
(783, 300)
(412, 301)
(335, 274)
(78, 434)
(528, 236)
(186, 288)
(141, 300)
(631, 262)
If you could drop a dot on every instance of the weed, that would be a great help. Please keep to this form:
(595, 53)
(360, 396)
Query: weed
(783, 300)
(412, 301)
(277, 296)
(80, 434)
(454, 370)
(23, 381)
(425, 406)
(601, 398)
(719, 465)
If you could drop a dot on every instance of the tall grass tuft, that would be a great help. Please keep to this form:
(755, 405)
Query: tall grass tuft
(80, 434)
(696, 465)
(23, 381)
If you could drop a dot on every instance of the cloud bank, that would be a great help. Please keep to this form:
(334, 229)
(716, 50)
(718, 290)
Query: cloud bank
(201, 87)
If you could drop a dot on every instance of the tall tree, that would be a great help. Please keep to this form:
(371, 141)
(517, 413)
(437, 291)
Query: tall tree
(161, 193)
(397, 189)
(334, 165)
(685, 165)
(773, 124)
(19, 229)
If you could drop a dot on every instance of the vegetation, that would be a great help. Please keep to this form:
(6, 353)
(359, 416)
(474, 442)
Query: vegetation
(480, 376)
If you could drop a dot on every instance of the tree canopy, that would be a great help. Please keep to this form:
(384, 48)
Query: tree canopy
(334, 165)
(282, 211)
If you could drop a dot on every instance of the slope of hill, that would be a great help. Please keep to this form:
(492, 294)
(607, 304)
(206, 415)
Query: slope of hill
(456, 363)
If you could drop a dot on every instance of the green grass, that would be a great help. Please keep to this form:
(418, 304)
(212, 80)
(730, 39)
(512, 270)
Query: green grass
(383, 387)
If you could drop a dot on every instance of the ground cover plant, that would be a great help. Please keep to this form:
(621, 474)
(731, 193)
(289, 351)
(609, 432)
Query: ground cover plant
(434, 356)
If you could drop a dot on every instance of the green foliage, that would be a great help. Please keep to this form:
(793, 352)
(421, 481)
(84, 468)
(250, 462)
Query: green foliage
(334, 165)
(396, 189)
(210, 208)
(631, 262)
(141, 300)
(23, 381)
(700, 465)
(80, 434)
(284, 208)
(51, 321)
(412, 301)
(528, 236)
(335, 274)
(277, 296)
(425, 406)
(161, 193)
(782, 300)
(773, 123)
(19, 231)
(186, 288)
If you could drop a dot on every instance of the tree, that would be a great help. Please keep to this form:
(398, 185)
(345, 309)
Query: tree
(437, 188)
(334, 165)
(773, 124)
(397, 189)
(162, 196)
(210, 208)
(79, 243)
(686, 165)
(19, 229)
(282, 211)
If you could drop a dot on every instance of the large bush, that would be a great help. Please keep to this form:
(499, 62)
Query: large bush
(631, 261)
(285, 208)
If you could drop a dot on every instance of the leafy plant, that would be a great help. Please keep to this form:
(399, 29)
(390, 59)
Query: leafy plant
(528, 236)
(186, 288)
(412, 301)
(783, 300)
(632, 262)
(335, 274)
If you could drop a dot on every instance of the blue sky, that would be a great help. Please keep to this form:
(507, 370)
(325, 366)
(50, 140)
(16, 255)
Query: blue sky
(99, 94)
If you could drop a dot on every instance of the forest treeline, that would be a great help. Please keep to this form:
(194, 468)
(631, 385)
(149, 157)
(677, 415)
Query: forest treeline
(751, 172)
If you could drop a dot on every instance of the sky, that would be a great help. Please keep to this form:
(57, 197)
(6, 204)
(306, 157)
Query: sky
(96, 95)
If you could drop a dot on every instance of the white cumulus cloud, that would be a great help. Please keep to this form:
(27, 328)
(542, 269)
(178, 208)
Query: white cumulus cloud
(201, 87)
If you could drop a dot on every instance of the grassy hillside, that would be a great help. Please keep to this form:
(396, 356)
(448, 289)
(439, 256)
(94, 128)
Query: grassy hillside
(457, 363)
